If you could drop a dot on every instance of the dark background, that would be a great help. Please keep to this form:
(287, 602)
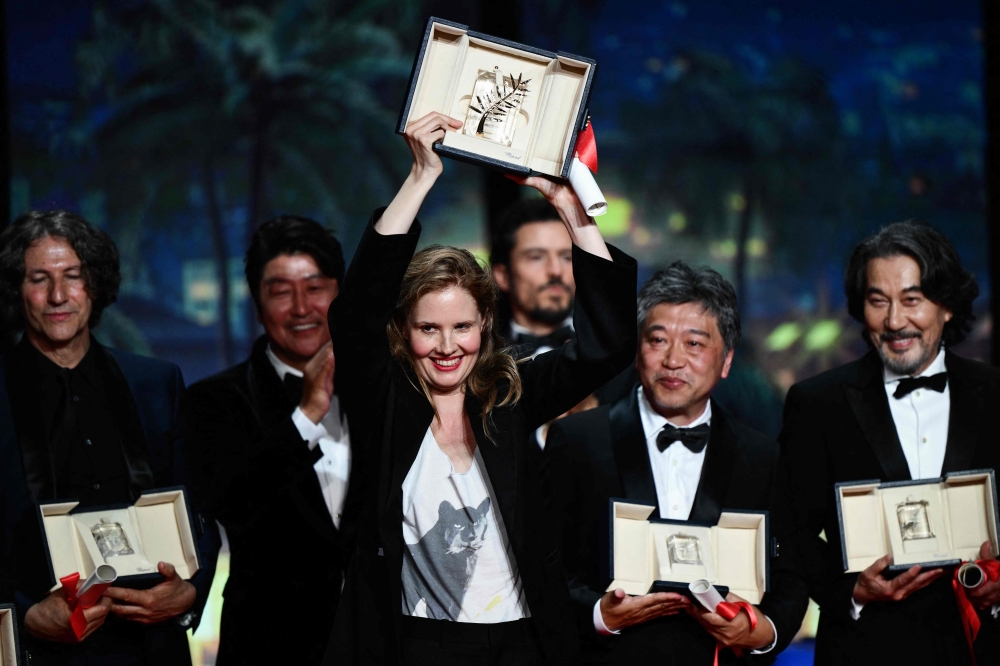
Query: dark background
(761, 137)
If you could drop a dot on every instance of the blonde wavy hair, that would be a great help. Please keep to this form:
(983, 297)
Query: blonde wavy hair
(436, 268)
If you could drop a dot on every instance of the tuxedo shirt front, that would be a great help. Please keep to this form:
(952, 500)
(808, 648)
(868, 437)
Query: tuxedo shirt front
(332, 437)
(921, 420)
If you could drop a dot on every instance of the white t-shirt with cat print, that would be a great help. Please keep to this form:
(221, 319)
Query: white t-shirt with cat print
(457, 561)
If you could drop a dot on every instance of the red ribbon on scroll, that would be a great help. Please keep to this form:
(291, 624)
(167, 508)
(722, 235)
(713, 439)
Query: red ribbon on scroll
(78, 604)
(730, 610)
(967, 612)
(586, 147)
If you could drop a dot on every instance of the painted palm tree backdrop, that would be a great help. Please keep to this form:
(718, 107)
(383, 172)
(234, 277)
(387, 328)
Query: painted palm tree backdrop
(760, 137)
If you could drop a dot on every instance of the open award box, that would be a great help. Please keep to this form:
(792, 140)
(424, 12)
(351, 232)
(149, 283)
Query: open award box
(131, 538)
(522, 107)
(655, 555)
(9, 647)
(930, 522)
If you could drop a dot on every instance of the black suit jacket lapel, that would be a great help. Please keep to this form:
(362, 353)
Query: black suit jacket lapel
(500, 459)
(717, 471)
(870, 405)
(271, 405)
(122, 403)
(964, 417)
(628, 441)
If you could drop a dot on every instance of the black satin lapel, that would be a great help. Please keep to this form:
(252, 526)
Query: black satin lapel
(717, 471)
(271, 404)
(122, 404)
(964, 418)
(500, 457)
(412, 415)
(871, 407)
(629, 445)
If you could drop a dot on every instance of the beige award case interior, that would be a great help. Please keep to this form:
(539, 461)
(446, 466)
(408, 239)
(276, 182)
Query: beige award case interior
(736, 557)
(8, 636)
(551, 114)
(960, 512)
(157, 526)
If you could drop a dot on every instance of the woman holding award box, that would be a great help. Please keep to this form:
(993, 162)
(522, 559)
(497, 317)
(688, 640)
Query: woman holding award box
(456, 561)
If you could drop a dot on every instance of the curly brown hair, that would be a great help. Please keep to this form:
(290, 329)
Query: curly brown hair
(436, 268)
(97, 252)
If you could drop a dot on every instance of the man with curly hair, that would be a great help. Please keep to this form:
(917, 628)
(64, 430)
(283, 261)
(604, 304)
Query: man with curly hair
(909, 409)
(82, 421)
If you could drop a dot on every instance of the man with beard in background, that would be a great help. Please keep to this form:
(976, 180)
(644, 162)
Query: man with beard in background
(909, 409)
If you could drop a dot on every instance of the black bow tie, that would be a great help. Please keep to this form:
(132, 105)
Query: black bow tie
(695, 439)
(909, 384)
(555, 339)
(293, 387)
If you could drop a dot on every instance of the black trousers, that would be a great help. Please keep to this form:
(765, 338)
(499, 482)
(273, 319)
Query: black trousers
(443, 643)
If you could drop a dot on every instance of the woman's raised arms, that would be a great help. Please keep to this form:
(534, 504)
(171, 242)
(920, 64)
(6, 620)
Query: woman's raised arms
(421, 135)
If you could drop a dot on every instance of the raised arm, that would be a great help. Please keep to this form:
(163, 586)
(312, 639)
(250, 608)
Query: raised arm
(581, 227)
(421, 135)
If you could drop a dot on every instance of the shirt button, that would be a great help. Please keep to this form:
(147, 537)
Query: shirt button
(924, 440)
(675, 507)
(76, 398)
(97, 486)
(87, 442)
(917, 394)
(675, 463)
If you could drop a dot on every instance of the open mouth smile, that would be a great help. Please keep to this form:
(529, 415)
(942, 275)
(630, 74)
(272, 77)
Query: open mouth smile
(448, 364)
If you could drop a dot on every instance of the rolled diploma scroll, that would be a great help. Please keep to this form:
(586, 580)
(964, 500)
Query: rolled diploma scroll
(706, 594)
(586, 189)
(971, 575)
(95, 585)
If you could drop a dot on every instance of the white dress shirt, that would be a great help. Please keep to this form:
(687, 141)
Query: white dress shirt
(517, 330)
(333, 439)
(921, 419)
(676, 473)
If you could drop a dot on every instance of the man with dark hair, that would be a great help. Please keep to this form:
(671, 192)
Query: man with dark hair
(909, 409)
(79, 420)
(667, 443)
(270, 454)
(532, 262)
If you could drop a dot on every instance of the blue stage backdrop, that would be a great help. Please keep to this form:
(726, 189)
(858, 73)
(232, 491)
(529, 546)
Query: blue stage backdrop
(761, 137)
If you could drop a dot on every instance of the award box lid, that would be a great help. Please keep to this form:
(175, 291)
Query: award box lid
(10, 645)
(630, 557)
(163, 527)
(561, 83)
(961, 509)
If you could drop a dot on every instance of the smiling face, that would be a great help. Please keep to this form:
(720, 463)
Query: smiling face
(904, 325)
(681, 358)
(294, 299)
(57, 305)
(539, 277)
(445, 333)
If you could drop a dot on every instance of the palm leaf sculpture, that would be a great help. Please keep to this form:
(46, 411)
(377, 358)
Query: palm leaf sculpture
(498, 102)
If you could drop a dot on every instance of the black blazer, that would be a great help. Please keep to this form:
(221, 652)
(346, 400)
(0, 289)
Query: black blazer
(155, 390)
(838, 427)
(254, 473)
(600, 454)
(383, 399)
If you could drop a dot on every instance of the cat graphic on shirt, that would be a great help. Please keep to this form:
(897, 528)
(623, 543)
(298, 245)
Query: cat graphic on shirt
(447, 555)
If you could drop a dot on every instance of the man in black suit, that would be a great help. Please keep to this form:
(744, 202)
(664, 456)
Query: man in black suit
(270, 455)
(78, 420)
(667, 443)
(909, 409)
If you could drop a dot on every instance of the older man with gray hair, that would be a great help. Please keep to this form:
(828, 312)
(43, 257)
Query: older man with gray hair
(666, 442)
